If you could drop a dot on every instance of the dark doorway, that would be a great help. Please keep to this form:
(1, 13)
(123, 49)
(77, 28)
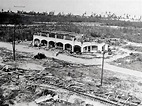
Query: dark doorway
(59, 45)
(43, 43)
(51, 44)
(68, 47)
(36, 42)
(77, 49)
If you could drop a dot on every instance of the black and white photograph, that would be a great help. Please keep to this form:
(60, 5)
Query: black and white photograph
(70, 53)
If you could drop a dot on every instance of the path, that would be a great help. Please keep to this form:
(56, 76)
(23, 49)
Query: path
(122, 70)
(134, 44)
(34, 50)
(64, 57)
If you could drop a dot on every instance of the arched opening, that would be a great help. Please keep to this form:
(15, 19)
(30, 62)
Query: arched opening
(51, 44)
(68, 47)
(36, 42)
(85, 49)
(59, 45)
(94, 48)
(43, 43)
(77, 49)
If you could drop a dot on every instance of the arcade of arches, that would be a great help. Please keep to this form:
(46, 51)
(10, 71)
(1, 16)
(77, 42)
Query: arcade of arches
(67, 46)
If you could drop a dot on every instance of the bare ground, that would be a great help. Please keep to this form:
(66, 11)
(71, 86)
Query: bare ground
(115, 78)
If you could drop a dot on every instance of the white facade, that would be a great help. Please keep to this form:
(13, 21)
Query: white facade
(66, 42)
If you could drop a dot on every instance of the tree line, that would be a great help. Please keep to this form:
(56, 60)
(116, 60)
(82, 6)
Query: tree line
(22, 17)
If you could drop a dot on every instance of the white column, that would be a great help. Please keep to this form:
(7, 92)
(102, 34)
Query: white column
(55, 44)
(55, 36)
(47, 44)
(72, 48)
(87, 48)
(39, 43)
(90, 48)
(33, 43)
(63, 46)
(73, 44)
(81, 49)
(47, 35)
(64, 37)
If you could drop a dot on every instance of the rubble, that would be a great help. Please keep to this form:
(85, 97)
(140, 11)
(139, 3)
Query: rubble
(40, 56)
(43, 98)
(46, 95)
(5, 68)
(72, 77)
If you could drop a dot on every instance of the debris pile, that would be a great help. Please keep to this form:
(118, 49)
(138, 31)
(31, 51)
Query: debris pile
(22, 85)
(40, 56)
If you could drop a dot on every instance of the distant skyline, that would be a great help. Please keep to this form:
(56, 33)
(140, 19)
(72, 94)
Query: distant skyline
(119, 7)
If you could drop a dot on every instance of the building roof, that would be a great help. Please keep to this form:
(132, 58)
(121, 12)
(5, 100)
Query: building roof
(65, 33)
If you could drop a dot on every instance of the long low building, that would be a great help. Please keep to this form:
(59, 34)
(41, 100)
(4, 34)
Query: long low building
(66, 41)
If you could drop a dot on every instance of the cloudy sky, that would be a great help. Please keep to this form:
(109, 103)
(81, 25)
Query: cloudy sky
(119, 7)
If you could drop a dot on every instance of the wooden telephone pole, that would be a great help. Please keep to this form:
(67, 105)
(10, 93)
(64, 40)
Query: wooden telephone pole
(13, 37)
(102, 67)
(13, 44)
(102, 72)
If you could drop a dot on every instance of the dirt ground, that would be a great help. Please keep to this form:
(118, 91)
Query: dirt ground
(133, 61)
(64, 57)
(73, 75)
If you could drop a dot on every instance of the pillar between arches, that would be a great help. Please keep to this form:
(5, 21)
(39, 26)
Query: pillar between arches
(72, 48)
(33, 43)
(91, 48)
(63, 46)
(81, 49)
(39, 42)
(47, 44)
(55, 44)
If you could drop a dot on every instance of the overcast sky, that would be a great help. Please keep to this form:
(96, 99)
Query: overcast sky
(119, 7)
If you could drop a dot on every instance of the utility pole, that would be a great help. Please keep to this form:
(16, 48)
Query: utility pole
(102, 68)
(13, 43)
(13, 38)
(102, 72)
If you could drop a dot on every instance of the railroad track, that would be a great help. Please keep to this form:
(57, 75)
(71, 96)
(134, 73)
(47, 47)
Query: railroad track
(105, 100)
(102, 100)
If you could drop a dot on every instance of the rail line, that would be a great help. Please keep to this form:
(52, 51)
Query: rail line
(102, 100)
